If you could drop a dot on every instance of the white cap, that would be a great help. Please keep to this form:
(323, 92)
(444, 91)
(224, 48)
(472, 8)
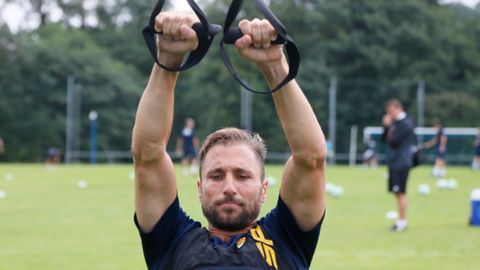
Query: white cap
(475, 195)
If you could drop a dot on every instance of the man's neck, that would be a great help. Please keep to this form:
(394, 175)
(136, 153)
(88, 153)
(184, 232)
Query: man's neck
(225, 236)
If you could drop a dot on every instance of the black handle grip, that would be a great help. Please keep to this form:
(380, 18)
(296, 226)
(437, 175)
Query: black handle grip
(201, 30)
(234, 33)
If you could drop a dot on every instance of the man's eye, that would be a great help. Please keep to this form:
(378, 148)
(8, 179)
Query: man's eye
(215, 176)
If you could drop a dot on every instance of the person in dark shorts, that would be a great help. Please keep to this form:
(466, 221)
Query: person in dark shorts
(187, 145)
(232, 184)
(440, 143)
(476, 158)
(400, 138)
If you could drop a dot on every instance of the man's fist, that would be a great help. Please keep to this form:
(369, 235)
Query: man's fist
(177, 36)
(256, 44)
(387, 120)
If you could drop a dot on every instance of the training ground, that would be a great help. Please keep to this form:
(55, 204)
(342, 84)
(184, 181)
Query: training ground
(48, 222)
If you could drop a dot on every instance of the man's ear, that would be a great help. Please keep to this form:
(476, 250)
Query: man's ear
(199, 188)
(265, 184)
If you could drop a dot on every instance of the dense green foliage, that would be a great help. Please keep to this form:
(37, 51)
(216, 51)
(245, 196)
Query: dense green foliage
(375, 49)
(47, 222)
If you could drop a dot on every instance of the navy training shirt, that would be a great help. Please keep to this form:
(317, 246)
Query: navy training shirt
(276, 242)
(439, 135)
(188, 135)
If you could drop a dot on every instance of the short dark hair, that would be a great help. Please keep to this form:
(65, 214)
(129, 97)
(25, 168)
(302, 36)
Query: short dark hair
(229, 136)
(393, 102)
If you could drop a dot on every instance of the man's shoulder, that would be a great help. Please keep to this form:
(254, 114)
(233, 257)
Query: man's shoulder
(296, 246)
(406, 122)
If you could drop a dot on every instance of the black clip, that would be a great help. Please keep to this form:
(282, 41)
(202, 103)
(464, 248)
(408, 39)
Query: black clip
(205, 33)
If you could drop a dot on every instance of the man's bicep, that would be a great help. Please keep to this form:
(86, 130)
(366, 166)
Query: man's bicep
(155, 190)
(303, 191)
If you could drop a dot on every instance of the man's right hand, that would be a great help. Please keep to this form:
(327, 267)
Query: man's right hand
(387, 120)
(177, 38)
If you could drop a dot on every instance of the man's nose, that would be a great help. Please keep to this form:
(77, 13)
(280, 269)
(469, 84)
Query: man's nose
(230, 187)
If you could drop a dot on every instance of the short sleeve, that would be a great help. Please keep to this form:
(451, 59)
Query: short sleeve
(166, 235)
(297, 246)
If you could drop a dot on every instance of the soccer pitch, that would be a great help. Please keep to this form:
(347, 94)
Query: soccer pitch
(48, 222)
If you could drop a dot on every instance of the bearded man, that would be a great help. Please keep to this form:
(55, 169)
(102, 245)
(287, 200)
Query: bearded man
(231, 184)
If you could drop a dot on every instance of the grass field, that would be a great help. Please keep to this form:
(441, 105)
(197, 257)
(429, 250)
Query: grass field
(48, 222)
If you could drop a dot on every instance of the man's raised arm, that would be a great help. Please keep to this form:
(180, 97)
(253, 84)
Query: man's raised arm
(303, 181)
(155, 184)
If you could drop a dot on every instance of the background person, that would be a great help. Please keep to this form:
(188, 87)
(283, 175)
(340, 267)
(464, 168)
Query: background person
(232, 184)
(476, 158)
(2, 146)
(370, 155)
(440, 143)
(54, 156)
(187, 145)
(400, 138)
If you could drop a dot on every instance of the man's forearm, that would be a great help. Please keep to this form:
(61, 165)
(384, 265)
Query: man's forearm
(302, 130)
(154, 117)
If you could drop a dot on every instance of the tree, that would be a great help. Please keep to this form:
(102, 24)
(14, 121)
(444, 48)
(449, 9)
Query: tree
(40, 76)
(376, 49)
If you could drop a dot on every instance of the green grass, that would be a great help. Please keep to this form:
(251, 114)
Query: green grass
(47, 222)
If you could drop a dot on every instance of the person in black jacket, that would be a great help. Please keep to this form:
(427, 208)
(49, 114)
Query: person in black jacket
(400, 138)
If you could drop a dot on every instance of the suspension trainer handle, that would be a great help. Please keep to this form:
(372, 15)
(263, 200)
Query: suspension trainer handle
(231, 34)
(235, 33)
(204, 30)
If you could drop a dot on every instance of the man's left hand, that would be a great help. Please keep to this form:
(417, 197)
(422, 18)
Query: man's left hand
(256, 44)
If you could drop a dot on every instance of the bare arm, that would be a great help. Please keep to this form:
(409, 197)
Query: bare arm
(303, 181)
(196, 143)
(443, 143)
(179, 147)
(430, 143)
(155, 184)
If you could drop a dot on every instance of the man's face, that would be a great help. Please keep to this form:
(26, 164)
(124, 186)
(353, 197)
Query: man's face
(231, 190)
(392, 111)
(190, 123)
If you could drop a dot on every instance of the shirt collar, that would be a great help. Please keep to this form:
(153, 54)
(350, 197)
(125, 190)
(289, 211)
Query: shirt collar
(401, 116)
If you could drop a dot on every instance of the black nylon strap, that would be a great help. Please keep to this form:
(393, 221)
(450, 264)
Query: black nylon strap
(205, 33)
(230, 35)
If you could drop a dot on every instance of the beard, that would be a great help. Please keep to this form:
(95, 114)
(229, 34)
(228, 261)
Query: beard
(229, 220)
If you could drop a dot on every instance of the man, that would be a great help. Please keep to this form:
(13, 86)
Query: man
(440, 143)
(400, 138)
(2, 146)
(476, 158)
(187, 145)
(232, 186)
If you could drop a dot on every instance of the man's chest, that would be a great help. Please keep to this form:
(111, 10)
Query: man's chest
(253, 251)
